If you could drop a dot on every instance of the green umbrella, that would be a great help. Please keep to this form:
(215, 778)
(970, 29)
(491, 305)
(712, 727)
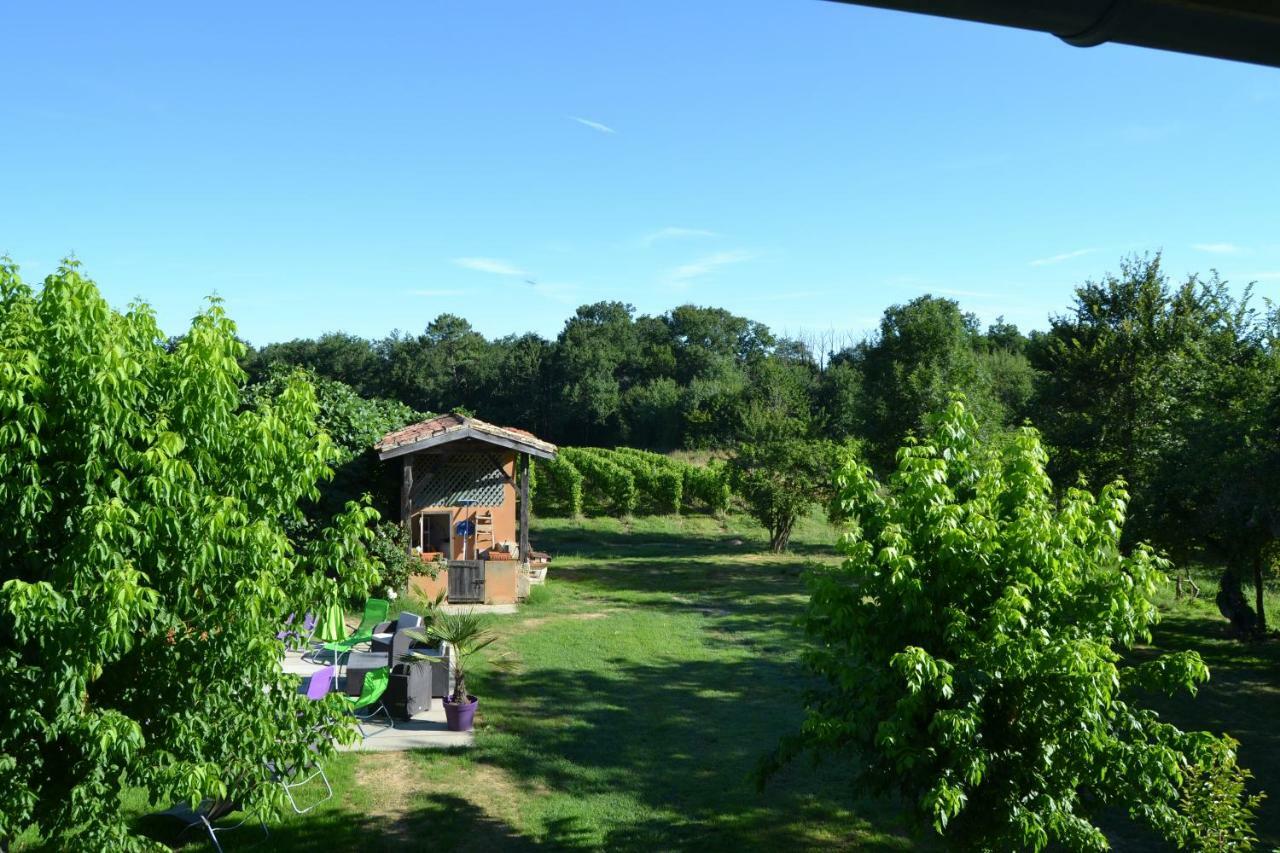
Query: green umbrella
(331, 626)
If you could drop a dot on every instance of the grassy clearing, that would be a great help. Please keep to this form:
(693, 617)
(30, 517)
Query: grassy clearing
(655, 667)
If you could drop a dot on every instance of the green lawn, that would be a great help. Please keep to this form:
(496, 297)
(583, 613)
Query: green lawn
(655, 668)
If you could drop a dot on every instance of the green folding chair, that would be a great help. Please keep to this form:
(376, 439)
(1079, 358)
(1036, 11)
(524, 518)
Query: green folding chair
(375, 612)
(375, 684)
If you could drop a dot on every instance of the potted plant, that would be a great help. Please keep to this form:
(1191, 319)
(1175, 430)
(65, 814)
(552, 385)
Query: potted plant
(467, 633)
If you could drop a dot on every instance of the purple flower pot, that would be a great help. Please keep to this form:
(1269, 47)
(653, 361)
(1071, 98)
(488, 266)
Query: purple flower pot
(461, 715)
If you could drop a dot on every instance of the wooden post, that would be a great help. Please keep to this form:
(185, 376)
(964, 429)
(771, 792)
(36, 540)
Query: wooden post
(406, 504)
(524, 508)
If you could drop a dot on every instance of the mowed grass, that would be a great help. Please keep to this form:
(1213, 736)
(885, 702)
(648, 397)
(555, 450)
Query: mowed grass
(1242, 697)
(654, 669)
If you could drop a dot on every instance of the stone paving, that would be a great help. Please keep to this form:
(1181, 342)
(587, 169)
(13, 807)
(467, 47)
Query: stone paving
(426, 730)
(481, 609)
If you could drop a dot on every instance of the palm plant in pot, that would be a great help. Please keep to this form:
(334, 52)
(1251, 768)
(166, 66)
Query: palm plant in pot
(467, 633)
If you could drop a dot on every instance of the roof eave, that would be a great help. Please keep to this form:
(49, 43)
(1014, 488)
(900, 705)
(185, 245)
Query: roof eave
(465, 432)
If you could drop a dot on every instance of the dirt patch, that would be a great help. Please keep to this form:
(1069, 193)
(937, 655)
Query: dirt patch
(393, 776)
(567, 617)
(399, 780)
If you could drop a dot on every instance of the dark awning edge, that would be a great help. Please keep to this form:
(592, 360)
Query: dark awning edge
(1240, 30)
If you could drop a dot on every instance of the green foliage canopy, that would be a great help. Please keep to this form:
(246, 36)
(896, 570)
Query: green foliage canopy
(144, 568)
(970, 648)
(781, 479)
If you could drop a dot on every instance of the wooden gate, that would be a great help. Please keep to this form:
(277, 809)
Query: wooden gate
(466, 581)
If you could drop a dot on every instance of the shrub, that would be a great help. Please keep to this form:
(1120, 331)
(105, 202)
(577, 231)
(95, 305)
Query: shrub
(559, 489)
(659, 479)
(970, 652)
(708, 485)
(780, 480)
(389, 549)
(604, 479)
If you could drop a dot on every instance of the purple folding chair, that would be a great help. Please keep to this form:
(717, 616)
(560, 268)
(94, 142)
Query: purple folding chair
(303, 634)
(317, 688)
(321, 682)
(286, 633)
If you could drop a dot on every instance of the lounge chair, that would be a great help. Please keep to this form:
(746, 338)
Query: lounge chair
(303, 634)
(375, 611)
(317, 688)
(206, 816)
(372, 687)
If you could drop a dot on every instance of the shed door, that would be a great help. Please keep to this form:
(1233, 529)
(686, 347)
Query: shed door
(466, 580)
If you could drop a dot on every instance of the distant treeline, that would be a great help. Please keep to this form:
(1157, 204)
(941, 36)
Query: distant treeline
(1171, 386)
(693, 377)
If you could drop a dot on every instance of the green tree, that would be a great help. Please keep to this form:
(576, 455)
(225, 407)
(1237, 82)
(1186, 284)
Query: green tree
(1218, 496)
(340, 356)
(1172, 388)
(1115, 370)
(594, 354)
(781, 478)
(144, 568)
(925, 351)
(970, 648)
(448, 366)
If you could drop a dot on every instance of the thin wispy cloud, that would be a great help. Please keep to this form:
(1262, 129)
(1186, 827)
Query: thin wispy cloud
(1065, 256)
(788, 295)
(1218, 248)
(561, 292)
(445, 291)
(686, 273)
(972, 294)
(673, 233)
(489, 265)
(594, 125)
(1273, 275)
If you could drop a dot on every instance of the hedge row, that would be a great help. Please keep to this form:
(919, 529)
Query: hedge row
(660, 480)
(609, 483)
(623, 481)
(556, 487)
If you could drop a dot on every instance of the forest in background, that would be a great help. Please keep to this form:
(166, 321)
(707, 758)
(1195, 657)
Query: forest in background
(1172, 386)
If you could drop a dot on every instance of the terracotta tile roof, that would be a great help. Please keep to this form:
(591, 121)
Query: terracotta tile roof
(454, 422)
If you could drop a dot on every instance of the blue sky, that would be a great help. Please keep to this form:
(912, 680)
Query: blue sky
(366, 167)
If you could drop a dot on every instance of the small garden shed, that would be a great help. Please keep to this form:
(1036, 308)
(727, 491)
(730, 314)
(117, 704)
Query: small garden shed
(464, 498)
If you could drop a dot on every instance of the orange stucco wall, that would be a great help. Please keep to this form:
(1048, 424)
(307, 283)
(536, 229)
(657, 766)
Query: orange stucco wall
(427, 587)
(501, 582)
(504, 516)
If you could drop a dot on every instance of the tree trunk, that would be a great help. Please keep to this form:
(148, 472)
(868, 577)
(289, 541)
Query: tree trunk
(779, 537)
(1259, 605)
(1234, 606)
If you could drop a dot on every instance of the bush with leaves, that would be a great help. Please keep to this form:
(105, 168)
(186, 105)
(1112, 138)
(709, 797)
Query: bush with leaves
(558, 489)
(708, 485)
(144, 568)
(611, 486)
(354, 423)
(971, 650)
(1220, 809)
(781, 479)
(659, 478)
(389, 549)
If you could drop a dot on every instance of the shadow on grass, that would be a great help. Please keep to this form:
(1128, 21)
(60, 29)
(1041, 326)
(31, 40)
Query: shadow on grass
(685, 695)
(603, 543)
(681, 739)
(1241, 699)
(438, 821)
